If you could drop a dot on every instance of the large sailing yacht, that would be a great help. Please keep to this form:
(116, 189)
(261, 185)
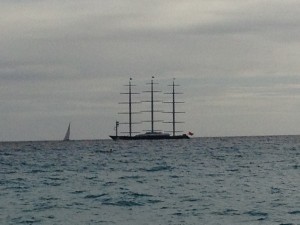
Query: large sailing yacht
(151, 134)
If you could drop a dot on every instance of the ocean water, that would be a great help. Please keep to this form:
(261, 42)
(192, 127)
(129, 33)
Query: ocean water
(240, 180)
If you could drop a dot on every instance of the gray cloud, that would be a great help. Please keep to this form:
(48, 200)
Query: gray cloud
(61, 61)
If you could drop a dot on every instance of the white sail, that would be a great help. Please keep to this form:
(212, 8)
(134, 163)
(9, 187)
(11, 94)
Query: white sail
(67, 136)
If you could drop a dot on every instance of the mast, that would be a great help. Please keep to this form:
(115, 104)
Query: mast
(152, 108)
(173, 112)
(130, 112)
(152, 91)
(116, 128)
(173, 104)
(130, 102)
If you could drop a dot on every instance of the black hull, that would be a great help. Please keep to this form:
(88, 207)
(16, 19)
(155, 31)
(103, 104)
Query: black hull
(156, 137)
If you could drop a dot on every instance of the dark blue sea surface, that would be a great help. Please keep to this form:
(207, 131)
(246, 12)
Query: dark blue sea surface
(237, 180)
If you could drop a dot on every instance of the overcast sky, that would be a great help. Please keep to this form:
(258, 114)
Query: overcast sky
(237, 62)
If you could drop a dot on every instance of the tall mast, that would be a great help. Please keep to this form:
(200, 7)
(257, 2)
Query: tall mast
(173, 112)
(152, 108)
(173, 104)
(130, 112)
(152, 105)
(130, 102)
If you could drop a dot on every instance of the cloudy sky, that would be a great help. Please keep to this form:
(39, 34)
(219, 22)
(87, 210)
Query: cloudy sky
(238, 64)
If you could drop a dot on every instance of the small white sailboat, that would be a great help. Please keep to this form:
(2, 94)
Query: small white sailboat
(67, 136)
